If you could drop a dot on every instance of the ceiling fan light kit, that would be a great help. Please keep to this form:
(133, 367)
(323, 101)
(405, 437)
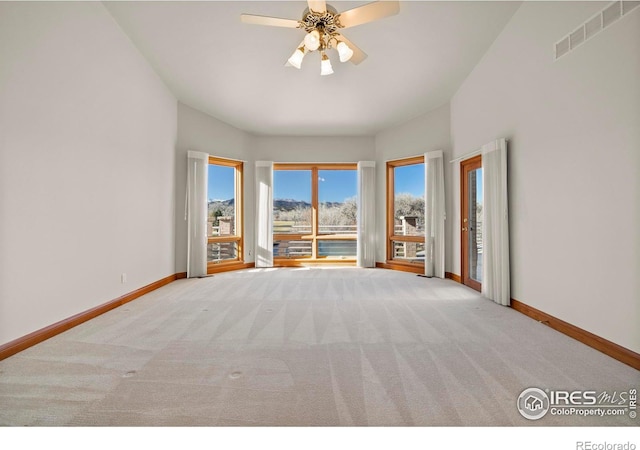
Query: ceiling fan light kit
(344, 51)
(322, 24)
(312, 40)
(325, 65)
(296, 59)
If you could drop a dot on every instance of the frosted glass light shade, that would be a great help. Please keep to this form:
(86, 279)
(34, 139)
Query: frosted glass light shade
(312, 40)
(344, 51)
(325, 66)
(296, 59)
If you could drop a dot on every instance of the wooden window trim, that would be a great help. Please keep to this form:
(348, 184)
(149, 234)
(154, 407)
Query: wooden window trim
(406, 161)
(406, 238)
(391, 236)
(238, 238)
(320, 166)
(315, 235)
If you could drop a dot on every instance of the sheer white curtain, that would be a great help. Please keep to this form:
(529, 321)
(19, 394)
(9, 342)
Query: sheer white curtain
(264, 214)
(495, 272)
(196, 213)
(366, 214)
(434, 214)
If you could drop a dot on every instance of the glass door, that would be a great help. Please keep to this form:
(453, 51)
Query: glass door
(471, 214)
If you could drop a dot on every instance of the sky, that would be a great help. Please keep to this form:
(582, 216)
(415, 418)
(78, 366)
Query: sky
(337, 185)
(292, 184)
(409, 180)
(334, 185)
(479, 186)
(221, 182)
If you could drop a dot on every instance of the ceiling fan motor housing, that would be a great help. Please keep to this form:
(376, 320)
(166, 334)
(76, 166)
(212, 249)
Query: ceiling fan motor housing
(326, 23)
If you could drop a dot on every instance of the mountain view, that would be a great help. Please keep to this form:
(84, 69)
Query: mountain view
(331, 213)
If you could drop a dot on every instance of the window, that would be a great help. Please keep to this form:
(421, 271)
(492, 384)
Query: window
(405, 211)
(471, 214)
(292, 202)
(224, 215)
(314, 212)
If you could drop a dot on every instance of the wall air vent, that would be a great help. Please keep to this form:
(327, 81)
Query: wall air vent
(628, 6)
(611, 13)
(593, 26)
(577, 37)
(562, 47)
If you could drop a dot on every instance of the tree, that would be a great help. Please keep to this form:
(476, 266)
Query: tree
(349, 212)
(409, 205)
(216, 214)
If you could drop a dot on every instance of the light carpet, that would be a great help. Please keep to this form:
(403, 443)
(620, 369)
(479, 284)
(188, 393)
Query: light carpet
(303, 347)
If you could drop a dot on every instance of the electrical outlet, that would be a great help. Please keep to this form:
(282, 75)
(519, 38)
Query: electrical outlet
(123, 278)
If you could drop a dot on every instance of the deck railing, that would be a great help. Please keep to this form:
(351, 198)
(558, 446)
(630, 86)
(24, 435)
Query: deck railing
(290, 227)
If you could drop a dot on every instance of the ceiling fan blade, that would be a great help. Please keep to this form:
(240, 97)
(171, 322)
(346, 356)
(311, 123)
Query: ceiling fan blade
(319, 6)
(368, 13)
(269, 21)
(358, 54)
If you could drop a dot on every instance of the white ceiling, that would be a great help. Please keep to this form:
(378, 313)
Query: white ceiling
(235, 72)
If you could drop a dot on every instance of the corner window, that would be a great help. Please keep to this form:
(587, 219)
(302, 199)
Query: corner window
(405, 211)
(224, 215)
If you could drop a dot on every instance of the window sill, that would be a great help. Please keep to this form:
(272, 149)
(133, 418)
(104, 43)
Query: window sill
(403, 267)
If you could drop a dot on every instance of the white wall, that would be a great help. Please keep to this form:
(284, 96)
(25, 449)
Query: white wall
(426, 133)
(312, 149)
(574, 131)
(200, 132)
(87, 136)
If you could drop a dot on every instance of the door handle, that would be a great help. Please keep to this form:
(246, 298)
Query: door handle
(464, 229)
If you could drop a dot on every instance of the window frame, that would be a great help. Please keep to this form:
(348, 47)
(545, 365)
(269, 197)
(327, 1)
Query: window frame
(418, 267)
(467, 166)
(238, 237)
(315, 236)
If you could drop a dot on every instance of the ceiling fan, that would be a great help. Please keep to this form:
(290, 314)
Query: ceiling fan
(323, 23)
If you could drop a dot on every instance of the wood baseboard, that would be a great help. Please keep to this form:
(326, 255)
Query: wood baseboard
(414, 269)
(31, 339)
(228, 267)
(622, 354)
(453, 276)
(312, 263)
(609, 348)
(401, 267)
